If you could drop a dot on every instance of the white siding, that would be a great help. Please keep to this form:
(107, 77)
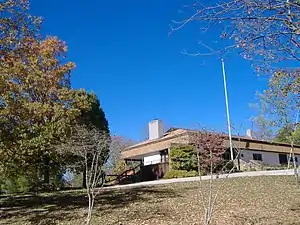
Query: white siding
(271, 158)
(152, 159)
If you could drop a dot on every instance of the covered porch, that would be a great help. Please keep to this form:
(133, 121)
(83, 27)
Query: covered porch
(154, 165)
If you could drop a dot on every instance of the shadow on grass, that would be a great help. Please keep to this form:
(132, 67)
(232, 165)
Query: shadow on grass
(262, 220)
(243, 219)
(62, 206)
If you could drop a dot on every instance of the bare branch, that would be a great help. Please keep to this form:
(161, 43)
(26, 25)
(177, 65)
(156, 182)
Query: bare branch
(266, 32)
(90, 146)
(210, 150)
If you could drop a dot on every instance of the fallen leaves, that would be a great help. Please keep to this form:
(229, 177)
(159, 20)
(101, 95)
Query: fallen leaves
(242, 201)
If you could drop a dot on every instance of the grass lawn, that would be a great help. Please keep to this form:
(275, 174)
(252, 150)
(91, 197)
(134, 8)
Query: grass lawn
(242, 201)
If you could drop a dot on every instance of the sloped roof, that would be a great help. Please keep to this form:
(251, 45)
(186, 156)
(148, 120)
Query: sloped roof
(169, 134)
(175, 132)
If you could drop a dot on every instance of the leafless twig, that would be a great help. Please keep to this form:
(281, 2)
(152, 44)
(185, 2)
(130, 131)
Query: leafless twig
(210, 151)
(265, 32)
(90, 147)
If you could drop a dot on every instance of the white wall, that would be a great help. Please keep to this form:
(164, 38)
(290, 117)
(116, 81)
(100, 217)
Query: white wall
(152, 159)
(271, 158)
(156, 129)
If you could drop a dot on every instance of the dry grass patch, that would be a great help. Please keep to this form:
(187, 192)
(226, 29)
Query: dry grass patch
(242, 201)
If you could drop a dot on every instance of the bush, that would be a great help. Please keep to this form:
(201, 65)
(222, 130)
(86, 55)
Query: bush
(183, 157)
(18, 185)
(23, 184)
(193, 173)
(9, 186)
(120, 168)
(263, 167)
(223, 166)
(180, 174)
(77, 180)
(58, 183)
(275, 167)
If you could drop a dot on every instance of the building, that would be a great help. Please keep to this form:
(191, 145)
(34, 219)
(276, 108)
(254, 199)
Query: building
(153, 153)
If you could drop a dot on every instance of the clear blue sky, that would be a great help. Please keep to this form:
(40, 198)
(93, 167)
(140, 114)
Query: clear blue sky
(123, 53)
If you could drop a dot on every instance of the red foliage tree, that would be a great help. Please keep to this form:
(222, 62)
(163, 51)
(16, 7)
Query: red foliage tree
(209, 147)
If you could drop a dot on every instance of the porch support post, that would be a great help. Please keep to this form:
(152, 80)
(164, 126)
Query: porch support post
(169, 158)
(126, 161)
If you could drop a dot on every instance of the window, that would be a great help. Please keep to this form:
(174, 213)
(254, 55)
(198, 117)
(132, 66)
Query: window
(242, 155)
(163, 156)
(257, 156)
(283, 159)
(291, 159)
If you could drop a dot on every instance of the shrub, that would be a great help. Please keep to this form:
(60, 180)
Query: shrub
(77, 180)
(192, 173)
(183, 157)
(18, 185)
(9, 186)
(23, 184)
(275, 167)
(180, 174)
(120, 168)
(58, 183)
(223, 166)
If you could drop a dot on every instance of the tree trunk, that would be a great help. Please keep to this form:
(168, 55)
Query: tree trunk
(46, 171)
(46, 176)
(84, 178)
(90, 209)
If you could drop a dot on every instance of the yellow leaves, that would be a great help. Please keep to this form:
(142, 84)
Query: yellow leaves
(38, 106)
(52, 46)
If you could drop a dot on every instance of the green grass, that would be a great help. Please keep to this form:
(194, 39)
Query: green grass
(242, 201)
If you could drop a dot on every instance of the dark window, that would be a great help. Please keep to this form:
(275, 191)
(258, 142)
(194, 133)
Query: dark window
(227, 155)
(242, 155)
(283, 159)
(163, 156)
(257, 156)
(291, 159)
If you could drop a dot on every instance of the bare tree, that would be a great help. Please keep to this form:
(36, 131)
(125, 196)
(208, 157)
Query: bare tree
(89, 148)
(264, 32)
(262, 129)
(117, 145)
(210, 149)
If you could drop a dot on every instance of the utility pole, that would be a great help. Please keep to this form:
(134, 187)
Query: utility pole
(227, 111)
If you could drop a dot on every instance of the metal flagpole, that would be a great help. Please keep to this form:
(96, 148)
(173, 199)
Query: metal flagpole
(297, 118)
(294, 161)
(292, 155)
(227, 110)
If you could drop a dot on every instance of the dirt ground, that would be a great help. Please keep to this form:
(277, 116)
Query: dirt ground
(241, 201)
